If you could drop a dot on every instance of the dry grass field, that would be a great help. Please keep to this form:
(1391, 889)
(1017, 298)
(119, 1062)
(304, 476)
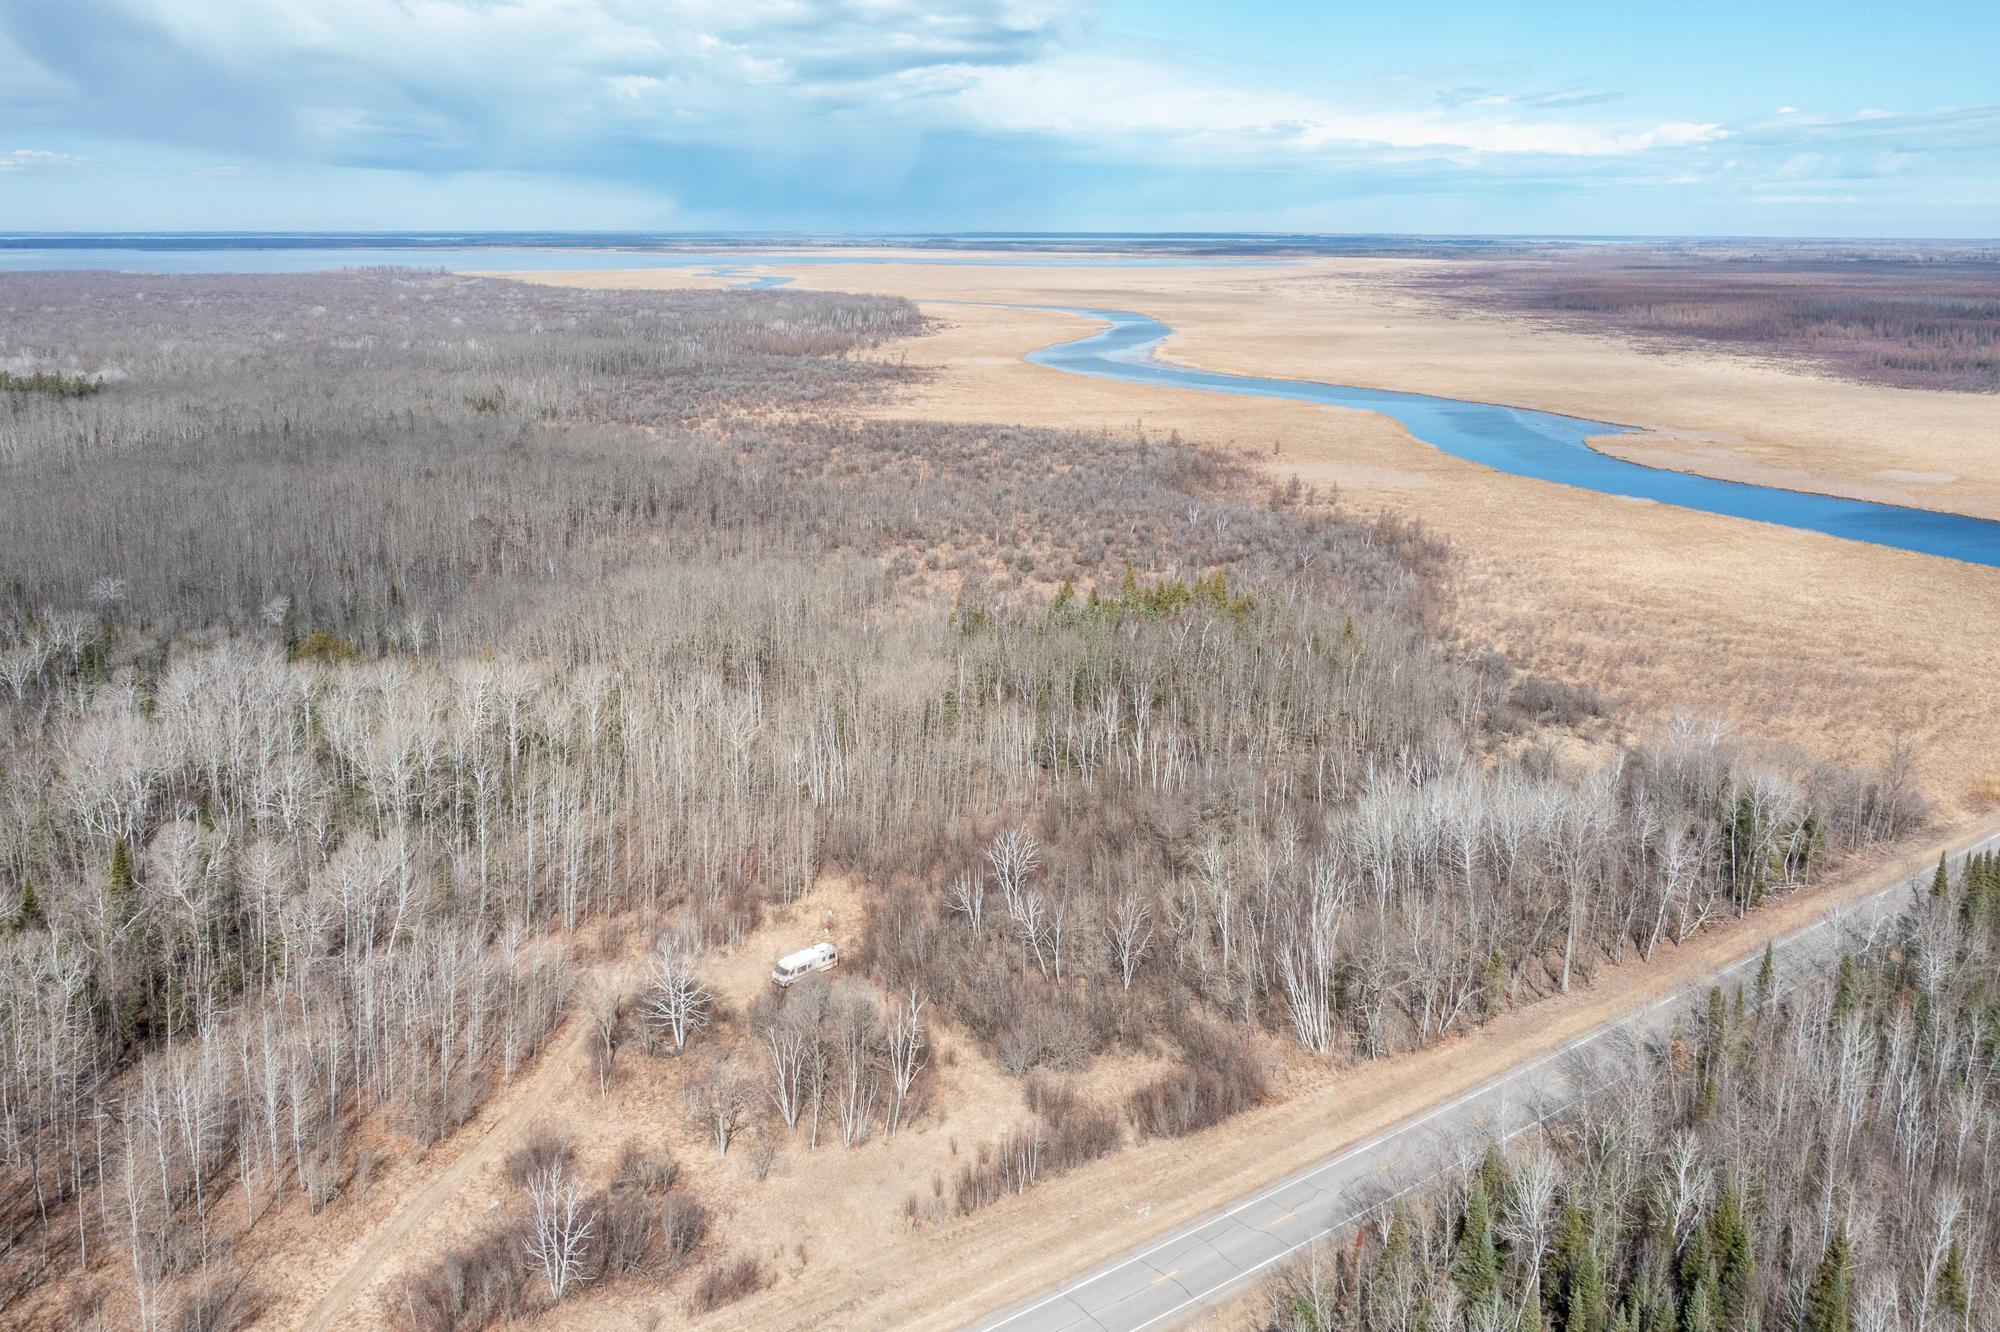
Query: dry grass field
(1849, 650)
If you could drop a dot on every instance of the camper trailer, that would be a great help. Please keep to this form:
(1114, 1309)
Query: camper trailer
(793, 967)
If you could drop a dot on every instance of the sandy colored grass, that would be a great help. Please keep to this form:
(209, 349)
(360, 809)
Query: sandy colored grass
(1363, 321)
(819, 1211)
(1839, 647)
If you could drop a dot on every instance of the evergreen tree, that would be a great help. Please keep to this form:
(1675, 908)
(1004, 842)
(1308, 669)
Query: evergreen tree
(1767, 976)
(1830, 1294)
(1586, 1297)
(1747, 868)
(1734, 1257)
(1847, 994)
(122, 892)
(1496, 983)
(1941, 881)
(1698, 1310)
(28, 915)
(1696, 1266)
(1581, 1301)
(1493, 1172)
(1477, 1270)
(1977, 894)
(1951, 1282)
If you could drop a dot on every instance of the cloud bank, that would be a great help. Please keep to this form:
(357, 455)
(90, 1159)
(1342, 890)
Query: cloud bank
(860, 112)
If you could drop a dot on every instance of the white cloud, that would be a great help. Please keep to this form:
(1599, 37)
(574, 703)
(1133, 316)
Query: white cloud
(1114, 99)
(36, 159)
(448, 84)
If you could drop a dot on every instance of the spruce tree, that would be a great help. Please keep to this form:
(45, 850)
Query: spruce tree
(1735, 1261)
(122, 892)
(1477, 1269)
(1767, 976)
(1828, 1297)
(1586, 1296)
(1941, 881)
(1695, 1269)
(1493, 1172)
(1698, 1312)
(28, 915)
(1847, 993)
(1951, 1282)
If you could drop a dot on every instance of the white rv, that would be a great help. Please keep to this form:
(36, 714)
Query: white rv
(793, 967)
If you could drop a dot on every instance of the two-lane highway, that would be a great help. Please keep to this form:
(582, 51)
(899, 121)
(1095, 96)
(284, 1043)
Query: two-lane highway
(1209, 1261)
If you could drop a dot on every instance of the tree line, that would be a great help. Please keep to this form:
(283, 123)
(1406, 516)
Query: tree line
(1824, 1159)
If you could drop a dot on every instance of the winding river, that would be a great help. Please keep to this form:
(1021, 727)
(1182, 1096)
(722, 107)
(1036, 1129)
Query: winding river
(1530, 443)
(1541, 445)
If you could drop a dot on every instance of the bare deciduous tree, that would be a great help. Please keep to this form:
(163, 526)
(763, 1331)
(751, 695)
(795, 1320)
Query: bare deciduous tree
(559, 1231)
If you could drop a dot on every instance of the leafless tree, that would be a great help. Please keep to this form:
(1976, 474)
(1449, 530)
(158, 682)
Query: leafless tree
(905, 1041)
(1130, 933)
(676, 1001)
(719, 1098)
(559, 1231)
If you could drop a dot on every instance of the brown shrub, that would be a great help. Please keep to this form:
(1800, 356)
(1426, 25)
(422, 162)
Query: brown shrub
(223, 1303)
(543, 1148)
(1067, 1132)
(1220, 1076)
(469, 1287)
(727, 1282)
(643, 1171)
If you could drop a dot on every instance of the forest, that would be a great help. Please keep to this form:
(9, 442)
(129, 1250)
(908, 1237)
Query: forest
(1925, 318)
(368, 639)
(1822, 1158)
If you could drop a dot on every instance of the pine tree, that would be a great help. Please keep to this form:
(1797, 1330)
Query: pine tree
(1586, 1297)
(1973, 908)
(1951, 1282)
(28, 915)
(122, 893)
(1698, 1312)
(1941, 881)
(1496, 984)
(1477, 1270)
(1828, 1297)
(1493, 1172)
(1767, 976)
(1746, 869)
(1696, 1265)
(1847, 994)
(1735, 1260)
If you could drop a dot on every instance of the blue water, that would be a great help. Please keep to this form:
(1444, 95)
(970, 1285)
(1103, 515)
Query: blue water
(1509, 439)
(1534, 444)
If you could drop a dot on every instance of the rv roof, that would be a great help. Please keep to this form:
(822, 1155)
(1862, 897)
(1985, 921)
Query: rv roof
(805, 955)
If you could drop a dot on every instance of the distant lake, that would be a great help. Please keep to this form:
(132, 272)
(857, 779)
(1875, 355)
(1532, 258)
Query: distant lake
(189, 254)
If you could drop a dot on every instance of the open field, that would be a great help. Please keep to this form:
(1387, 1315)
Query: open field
(1844, 648)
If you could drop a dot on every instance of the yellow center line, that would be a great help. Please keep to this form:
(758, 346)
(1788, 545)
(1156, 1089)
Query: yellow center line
(1166, 1276)
(1286, 1217)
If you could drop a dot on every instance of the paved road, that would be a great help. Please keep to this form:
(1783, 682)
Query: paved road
(1204, 1264)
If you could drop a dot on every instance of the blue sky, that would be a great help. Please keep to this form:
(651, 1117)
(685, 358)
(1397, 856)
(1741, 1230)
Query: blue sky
(1766, 118)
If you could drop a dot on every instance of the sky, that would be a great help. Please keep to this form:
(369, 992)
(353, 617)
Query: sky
(1695, 118)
